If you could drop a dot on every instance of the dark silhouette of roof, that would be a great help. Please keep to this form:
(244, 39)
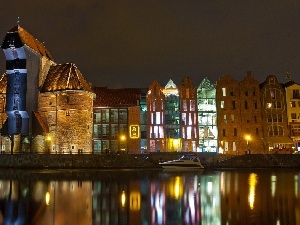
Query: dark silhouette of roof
(64, 77)
(26, 39)
(125, 97)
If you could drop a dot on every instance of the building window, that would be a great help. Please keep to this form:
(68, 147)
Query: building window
(246, 105)
(233, 104)
(255, 119)
(278, 105)
(232, 118)
(293, 116)
(296, 93)
(224, 132)
(184, 105)
(192, 105)
(248, 119)
(272, 93)
(255, 105)
(279, 117)
(270, 118)
(222, 105)
(225, 120)
(234, 132)
(246, 93)
(254, 91)
(231, 92)
(293, 104)
(256, 131)
(224, 91)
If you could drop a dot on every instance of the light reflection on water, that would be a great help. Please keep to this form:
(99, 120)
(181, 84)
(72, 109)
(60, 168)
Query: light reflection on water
(150, 197)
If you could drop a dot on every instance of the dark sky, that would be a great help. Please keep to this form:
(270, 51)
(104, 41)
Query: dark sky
(131, 43)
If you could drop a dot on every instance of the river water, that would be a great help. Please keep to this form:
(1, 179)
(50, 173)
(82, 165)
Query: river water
(49, 197)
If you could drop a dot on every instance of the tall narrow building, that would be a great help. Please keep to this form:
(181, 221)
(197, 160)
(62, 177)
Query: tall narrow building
(292, 95)
(228, 115)
(172, 117)
(274, 115)
(155, 118)
(207, 116)
(250, 114)
(188, 115)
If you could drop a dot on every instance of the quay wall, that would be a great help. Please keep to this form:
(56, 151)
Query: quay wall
(151, 160)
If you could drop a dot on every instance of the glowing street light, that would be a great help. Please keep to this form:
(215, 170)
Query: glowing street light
(247, 138)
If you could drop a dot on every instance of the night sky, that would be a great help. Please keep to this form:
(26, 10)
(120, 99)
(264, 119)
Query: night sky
(123, 43)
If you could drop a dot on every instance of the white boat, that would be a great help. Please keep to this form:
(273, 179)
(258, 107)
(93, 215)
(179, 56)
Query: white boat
(189, 161)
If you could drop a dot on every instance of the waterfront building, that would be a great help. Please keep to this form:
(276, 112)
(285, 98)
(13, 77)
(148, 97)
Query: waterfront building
(155, 118)
(189, 115)
(292, 96)
(66, 107)
(172, 117)
(228, 115)
(274, 117)
(239, 115)
(117, 120)
(207, 116)
(48, 106)
(250, 115)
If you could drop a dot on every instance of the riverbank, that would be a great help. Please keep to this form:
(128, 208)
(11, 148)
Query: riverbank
(142, 161)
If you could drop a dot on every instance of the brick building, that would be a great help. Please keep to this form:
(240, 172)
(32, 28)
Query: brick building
(48, 106)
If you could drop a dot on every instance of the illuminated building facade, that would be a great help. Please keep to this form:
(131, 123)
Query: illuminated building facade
(292, 95)
(251, 120)
(48, 107)
(155, 118)
(117, 120)
(228, 115)
(172, 116)
(207, 116)
(239, 115)
(188, 113)
(274, 115)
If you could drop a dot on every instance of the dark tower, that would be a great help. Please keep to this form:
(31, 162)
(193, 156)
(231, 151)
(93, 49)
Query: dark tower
(23, 55)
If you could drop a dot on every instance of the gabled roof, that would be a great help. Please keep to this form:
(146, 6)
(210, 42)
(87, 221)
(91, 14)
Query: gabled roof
(125, 97)
(64, 77)
(26, 39)
(3, 83)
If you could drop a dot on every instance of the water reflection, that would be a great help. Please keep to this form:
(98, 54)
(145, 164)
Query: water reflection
(150, 197)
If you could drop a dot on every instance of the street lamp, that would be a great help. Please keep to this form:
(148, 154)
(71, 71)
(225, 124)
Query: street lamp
(248, 138)
(123, 142)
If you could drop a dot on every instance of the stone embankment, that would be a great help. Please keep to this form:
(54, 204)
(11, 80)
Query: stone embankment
(76, 161)
(142, 161)
(254, 161)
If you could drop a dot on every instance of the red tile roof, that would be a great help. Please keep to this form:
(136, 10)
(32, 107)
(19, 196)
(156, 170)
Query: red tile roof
(64, 77)
(125, 97)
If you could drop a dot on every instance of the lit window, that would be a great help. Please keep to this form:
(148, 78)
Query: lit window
(272, 93)
(222, 104)
(293, 104)
(232, 118)
(184, 105)
(269, 105)
(224, 91)
(225, 120)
